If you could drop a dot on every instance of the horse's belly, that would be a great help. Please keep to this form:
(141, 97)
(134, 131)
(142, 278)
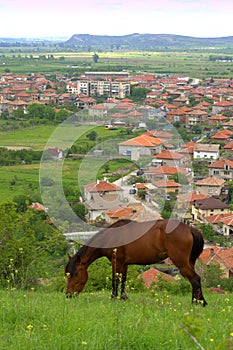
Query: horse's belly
(145, 258)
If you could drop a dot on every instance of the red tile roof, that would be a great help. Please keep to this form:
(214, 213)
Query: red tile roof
(168, 183)
(166, 170)
(218, 255)
(143, 141)
(169, 155)
(191, 197)
(151, 276)
(210, 181)
(119, 212)
(102, 186)
(220, 164)
(217, 219)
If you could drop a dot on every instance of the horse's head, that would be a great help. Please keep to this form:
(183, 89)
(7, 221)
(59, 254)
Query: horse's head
(76, 274)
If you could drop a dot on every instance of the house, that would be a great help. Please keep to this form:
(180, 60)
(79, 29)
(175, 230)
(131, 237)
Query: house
(151, 276)
(206, 151)
(85, 102)
(170, 158)
(217, 119)
(227, 227)
(223, 169)
(187, 149)
(186, 200)
(144, 144)
(222, 136)
(98, 110)
(207, 207)
(222, 106)
(228, 147)
(196, 116)
(132, 212)
(167, 185)
(163, 172)
(177, 115)
(18, 104)
(101, 196)
(221, 256)
(55, 153)
(210, 186)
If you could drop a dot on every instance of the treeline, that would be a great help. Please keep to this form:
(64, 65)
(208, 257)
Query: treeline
(23, 156)
(35, 114)
(220, 58)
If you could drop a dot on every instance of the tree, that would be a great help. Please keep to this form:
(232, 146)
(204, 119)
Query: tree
(138, 93)
(92, 136)
(95, 57)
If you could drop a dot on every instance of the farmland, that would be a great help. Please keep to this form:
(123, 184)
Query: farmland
(191, 63)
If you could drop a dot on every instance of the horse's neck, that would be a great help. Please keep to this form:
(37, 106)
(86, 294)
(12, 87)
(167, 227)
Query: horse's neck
(91, 255)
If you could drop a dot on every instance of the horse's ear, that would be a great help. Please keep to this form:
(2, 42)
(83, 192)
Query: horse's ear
(69, 256)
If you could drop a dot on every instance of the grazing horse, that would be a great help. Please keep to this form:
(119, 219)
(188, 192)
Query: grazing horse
(129, 242)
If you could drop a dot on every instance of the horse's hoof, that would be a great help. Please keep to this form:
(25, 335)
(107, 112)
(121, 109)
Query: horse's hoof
(124, 297)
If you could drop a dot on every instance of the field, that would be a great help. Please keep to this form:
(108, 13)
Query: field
(194, 63)
(35, 137)
(48, 321)
(24, 178)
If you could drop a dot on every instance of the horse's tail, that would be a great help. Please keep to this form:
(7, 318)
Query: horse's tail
(198, 244)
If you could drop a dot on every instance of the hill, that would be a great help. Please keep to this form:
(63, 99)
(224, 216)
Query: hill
(146, 41)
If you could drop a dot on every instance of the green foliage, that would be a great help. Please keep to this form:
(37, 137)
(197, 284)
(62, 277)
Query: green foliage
(167, 209)
(212, 275)
(179, 286)
(92, 136)
(138, 93)
(27, 241)
(180, 178)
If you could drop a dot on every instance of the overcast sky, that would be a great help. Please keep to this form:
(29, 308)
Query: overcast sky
(52, 18)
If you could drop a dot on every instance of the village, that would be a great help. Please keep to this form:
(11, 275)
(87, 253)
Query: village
(195, 176)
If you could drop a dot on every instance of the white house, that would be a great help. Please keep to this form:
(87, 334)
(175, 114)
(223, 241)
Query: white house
(206, 151)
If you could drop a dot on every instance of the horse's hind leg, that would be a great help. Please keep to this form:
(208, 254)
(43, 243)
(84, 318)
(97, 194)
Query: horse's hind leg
(189, 273)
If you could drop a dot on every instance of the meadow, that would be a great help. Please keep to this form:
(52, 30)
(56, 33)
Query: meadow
(148, 320)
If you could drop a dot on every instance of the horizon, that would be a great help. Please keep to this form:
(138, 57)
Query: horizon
(66, 37)
(50, 18)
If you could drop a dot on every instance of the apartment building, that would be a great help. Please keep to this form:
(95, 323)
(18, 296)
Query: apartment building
(109, 88)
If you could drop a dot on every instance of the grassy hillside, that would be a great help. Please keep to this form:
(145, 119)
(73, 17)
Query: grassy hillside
(36, 320)
(24, 178)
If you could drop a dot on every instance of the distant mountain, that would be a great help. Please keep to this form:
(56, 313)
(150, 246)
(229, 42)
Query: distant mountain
(146, 41)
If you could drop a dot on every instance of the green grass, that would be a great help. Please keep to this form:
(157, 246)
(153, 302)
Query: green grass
(37, 320)
(35, 137)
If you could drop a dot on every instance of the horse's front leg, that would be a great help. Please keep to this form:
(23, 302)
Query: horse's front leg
(123, 283)
(115, 284)
(115, 275)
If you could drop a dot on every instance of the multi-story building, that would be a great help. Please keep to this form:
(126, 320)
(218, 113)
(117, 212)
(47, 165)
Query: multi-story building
(109, 88)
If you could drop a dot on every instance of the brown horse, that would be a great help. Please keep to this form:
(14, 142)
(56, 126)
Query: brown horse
(129, 242)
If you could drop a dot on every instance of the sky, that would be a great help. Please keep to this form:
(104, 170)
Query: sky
(56, 18)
